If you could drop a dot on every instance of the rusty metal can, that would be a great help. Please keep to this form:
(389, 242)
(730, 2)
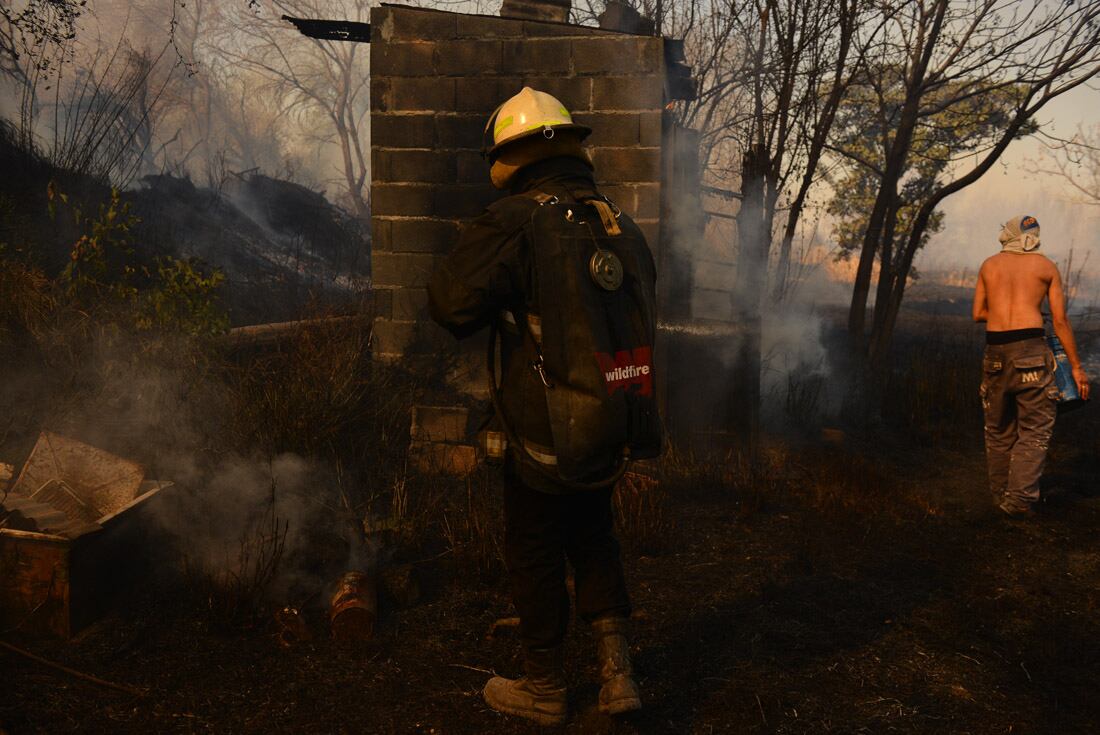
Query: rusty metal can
(354, 607)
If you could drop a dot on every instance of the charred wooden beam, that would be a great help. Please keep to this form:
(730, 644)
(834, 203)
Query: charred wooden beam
(263, 335)
(332, 30)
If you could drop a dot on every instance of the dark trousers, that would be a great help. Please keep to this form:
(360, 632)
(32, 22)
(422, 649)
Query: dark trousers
(1020, 402)
(541, 531)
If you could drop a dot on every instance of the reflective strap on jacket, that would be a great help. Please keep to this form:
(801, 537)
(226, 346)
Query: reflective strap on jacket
(508, 319)
(534, 323)
(607, 216)
(539, 453)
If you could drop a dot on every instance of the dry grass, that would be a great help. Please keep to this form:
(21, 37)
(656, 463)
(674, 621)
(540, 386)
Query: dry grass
(236, 592)
(472, 523)
(642, 514)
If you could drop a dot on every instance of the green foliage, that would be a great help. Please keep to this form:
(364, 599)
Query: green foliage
(105, 270)
(101, 261)
(183, 299)
(866, 123)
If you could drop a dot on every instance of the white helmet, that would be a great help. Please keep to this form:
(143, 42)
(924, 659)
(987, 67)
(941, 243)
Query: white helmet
(528, 113)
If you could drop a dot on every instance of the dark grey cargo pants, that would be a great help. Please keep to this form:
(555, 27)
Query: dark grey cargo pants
(1020, 402)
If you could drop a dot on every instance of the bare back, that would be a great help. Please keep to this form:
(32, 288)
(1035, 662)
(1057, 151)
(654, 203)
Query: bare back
(1014, 287)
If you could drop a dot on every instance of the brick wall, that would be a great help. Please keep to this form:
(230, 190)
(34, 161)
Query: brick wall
(435, 79)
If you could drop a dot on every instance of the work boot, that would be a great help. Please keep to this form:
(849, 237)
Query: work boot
(619, 692)
(539, 695)
(1016, 510)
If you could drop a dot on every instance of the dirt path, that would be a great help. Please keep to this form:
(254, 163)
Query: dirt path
(785, 620)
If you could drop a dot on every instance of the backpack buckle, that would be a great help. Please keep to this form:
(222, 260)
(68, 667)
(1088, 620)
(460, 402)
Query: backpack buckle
(538, 366)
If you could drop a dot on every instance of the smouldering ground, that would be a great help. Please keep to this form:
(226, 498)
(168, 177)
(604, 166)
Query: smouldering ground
(917, 616)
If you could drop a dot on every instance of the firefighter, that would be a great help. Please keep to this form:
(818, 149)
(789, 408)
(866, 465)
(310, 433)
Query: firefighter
(535, 153)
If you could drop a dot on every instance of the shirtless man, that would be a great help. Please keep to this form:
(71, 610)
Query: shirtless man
(1018, 392)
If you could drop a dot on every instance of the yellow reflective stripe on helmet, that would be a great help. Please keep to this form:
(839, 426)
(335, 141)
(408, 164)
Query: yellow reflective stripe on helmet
(501, 124)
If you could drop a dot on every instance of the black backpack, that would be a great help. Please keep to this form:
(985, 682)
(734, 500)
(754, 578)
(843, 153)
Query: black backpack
(595, 284)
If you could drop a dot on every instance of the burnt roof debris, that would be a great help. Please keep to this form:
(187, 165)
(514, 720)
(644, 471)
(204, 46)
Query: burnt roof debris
(618, 16)
(26, 514)
(68, 488)
(679, 82)
(332, 30)
(556, 11)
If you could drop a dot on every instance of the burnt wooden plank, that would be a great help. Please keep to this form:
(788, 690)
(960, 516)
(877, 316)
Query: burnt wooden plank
(332, 30)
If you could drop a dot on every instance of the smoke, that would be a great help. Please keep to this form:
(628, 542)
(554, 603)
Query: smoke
(200, 110)
(228, 520)
(159, 403)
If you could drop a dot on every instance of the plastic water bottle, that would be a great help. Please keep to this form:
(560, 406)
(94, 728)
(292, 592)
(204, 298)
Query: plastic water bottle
(1068, 397)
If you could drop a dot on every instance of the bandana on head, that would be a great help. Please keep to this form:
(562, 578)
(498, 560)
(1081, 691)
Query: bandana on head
(1020, 235)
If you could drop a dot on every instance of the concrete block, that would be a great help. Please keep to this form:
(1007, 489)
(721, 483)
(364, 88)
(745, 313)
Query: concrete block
(402, 199)
(402, 269)
(460, 130)
(439, 423)
(651, 128)
(409, 304)
(379, 95)
(651, 228)
(471, 168)
(412, 24)
(479, 94)
(429, 94)
(381, 233)
(443, 459)
(422, 235)
(575, 92)
(401, 165)
(382, 303)
(623, 195)
(543, 56)
(390, 337)
(648, 202)
(536, 29)
(402, 131)
(403, 59)
(480, 26)
(627, 164)
(610, 129)
(468, 57)
(628, 93)
(619, 54)
(463, 200)
(412, 338)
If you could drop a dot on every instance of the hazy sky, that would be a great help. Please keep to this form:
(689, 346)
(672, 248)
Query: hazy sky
(974, 215)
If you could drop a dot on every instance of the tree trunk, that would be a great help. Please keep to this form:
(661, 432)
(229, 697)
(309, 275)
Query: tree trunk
(882, 338)
(896, 157)
(816, 149)
(887, 272)
(752, 274)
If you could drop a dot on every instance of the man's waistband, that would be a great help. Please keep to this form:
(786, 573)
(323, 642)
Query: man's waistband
(1013, 335)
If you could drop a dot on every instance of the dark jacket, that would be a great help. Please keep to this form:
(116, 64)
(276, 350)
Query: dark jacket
(489, 272)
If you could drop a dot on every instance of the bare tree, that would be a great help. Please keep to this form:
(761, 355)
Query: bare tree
(211, 118)
(103, 124)
(1077, 162)
(315, 78)
(950, 54)
(772, 76)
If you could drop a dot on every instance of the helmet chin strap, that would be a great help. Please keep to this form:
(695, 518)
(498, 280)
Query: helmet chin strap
(486, 139)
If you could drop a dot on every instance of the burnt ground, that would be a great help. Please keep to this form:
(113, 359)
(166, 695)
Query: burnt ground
(925, 614)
